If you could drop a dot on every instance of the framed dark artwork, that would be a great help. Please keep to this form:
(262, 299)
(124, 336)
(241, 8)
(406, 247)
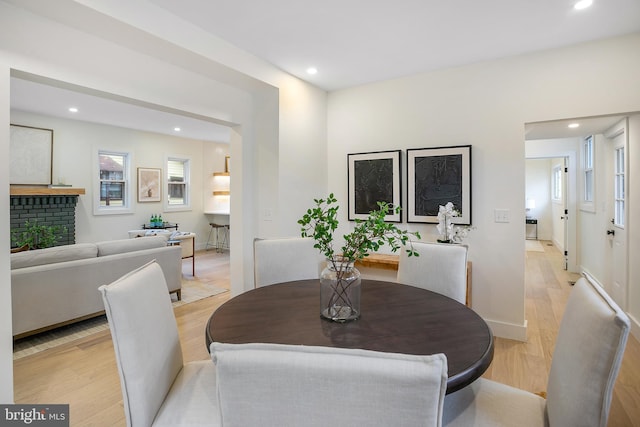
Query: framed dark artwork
(436, 176)
(31, 151)
(372, 178)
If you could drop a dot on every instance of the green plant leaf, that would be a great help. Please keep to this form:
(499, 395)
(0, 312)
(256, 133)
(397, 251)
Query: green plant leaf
(368, 235)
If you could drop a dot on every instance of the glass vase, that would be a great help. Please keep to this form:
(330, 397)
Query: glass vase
(340, 291)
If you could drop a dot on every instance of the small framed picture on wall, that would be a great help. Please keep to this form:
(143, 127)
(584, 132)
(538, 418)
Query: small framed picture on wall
(149, 185)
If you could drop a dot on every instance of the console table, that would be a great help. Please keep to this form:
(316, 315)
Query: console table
(164, 226)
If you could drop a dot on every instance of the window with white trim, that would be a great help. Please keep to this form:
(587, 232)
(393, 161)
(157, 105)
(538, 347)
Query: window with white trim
(178, 183)
(619, 196)
(587, 169)
(114, 182)
(556, 184)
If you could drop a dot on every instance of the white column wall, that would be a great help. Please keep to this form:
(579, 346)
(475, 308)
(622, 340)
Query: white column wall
(633, 242)
(6, 334)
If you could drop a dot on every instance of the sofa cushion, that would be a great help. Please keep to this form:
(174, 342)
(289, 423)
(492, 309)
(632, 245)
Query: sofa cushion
(53, 255)
(111, 247)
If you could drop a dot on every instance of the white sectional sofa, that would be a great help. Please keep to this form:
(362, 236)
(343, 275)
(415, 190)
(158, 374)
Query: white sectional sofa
(59, 285)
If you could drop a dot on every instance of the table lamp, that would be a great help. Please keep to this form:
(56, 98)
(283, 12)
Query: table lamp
(530, 204)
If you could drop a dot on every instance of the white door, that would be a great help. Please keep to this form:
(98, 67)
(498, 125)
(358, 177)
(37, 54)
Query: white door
(617, 210)
(565, 213)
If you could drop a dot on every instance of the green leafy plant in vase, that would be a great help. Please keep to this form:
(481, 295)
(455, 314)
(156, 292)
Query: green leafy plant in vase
(340, 280)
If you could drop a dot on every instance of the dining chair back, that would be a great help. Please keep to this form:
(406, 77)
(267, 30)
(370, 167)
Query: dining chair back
(157, 387)
(587, 357)
(285, 260)
(273, 385)
(586, 360)
(440, 268)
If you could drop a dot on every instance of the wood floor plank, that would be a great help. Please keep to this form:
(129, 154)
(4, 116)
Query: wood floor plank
(84, 373)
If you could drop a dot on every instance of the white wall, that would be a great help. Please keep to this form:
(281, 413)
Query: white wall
(303, 161)
(633, 238)
(6, 335)
(486, 105)
(74, 147)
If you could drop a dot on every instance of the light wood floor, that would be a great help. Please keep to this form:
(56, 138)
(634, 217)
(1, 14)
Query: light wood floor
(83, 373)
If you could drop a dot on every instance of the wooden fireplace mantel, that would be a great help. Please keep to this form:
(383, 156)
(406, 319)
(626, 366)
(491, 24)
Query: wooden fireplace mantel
(45, 191)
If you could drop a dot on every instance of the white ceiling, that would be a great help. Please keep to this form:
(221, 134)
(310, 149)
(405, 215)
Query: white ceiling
(352, 42)
(55, 101)
(356, 42)
(560, 128)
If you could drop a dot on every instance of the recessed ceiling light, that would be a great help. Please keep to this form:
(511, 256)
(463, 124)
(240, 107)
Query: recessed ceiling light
(583, 4)
(177, 129)
(574, 125)
(312, 70)
(73, 109)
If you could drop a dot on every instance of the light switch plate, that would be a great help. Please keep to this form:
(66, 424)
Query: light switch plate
(501, 215)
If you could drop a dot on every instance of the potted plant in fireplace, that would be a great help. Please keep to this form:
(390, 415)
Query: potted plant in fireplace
(37, 236)
(340, 280)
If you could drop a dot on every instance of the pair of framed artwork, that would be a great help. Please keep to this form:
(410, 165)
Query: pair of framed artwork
(435, 176)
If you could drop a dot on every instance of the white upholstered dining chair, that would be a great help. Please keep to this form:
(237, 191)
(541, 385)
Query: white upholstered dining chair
(586, 360)
(440, 268)
(158, 389)
(284, 260)
(274, 385)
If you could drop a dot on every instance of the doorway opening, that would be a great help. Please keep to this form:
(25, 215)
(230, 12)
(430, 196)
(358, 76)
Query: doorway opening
(586, 190)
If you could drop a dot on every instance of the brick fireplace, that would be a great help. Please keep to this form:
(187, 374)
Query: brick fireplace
(47, 206)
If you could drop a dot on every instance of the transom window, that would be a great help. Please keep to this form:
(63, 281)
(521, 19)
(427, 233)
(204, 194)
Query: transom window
(619, 190)
(556, 183)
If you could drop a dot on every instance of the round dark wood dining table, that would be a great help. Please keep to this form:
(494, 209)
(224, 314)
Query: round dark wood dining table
(395, 318)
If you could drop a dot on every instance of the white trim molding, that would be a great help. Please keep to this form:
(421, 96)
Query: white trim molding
(508, 330)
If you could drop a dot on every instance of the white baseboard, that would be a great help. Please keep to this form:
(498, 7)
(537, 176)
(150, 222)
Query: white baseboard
(586, 273)
(635, 327)
(509, 331)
